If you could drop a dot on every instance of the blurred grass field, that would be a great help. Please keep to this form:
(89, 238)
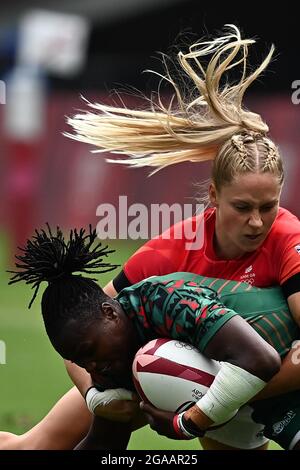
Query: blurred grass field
(34, 377)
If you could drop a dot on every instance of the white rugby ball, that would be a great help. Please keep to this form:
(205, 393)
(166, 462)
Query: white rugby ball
(172, 375)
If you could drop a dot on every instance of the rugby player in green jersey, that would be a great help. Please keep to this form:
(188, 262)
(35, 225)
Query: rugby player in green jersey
(102, 334)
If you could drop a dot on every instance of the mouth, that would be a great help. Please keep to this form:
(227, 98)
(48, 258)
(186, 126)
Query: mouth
(254, 237)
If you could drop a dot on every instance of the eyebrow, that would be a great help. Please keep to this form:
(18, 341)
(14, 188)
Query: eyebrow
(243, 201)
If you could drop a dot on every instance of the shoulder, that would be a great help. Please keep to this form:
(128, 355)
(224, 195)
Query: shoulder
(285, 214)
(181, 232)
(283, 244)
(165, 253)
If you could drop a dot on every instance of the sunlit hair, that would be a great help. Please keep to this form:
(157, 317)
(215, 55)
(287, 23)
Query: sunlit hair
(208, 123)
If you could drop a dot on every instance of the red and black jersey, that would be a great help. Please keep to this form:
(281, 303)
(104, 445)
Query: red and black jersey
(275, 262)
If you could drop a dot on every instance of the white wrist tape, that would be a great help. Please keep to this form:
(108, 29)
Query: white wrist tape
(232, 388)
(95, 398)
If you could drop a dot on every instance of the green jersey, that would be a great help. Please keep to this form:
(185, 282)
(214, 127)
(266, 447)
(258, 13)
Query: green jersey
(192, 308)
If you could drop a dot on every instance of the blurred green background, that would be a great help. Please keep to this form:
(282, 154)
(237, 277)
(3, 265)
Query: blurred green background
(34, 377)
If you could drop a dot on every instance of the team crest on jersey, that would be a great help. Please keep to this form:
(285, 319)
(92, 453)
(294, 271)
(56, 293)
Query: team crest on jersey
(248, 275)
(297, 248)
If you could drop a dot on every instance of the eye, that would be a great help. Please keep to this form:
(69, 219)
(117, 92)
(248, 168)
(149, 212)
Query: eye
(241, 208)
(267, 208)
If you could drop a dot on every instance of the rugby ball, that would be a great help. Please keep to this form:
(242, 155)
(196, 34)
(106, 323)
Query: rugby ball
(172, 375)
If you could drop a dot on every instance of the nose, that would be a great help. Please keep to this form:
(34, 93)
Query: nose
(255, 220)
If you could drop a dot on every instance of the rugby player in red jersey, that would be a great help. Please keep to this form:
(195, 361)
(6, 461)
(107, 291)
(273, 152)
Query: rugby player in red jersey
(248, 237)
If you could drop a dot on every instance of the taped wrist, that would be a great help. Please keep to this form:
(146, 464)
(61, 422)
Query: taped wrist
(94, 398)
(232, 388)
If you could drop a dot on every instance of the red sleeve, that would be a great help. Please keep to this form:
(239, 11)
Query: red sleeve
(291, 259)
(152, 259)
(161, 255)
(288, 240)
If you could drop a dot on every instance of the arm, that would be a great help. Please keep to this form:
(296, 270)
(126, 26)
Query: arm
(110, 290)
(294, 306)
(80, 377)
(288, 378)
(102, 436)
(250, 363)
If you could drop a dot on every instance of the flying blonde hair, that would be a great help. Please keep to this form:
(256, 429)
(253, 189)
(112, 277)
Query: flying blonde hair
(193, 130)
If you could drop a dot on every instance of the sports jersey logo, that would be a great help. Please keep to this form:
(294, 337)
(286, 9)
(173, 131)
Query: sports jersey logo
(248, 275)
(297, 248)
(280, 425)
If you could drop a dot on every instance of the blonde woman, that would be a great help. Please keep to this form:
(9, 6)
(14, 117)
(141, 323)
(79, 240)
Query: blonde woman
(244, 230)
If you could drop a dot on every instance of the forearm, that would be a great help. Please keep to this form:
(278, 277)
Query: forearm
(232, 388)
(248, 363)
(287, 379)
(80, 377)
(102, 435)
(294, 306)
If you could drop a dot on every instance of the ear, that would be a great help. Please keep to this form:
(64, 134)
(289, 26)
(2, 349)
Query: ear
(109, 311)
(213, 194)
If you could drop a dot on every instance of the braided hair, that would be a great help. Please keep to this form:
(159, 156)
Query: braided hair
(68, 297)
(205, 119)
(205, 111)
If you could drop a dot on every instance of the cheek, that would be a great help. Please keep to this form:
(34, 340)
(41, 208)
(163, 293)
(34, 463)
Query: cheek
(120, 346)
(268, 218)
(230, 220)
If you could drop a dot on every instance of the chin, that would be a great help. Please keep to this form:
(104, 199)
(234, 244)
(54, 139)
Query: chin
(254, 247)
(251, 247)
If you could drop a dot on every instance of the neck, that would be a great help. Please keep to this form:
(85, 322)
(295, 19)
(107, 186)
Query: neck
(223, 248)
